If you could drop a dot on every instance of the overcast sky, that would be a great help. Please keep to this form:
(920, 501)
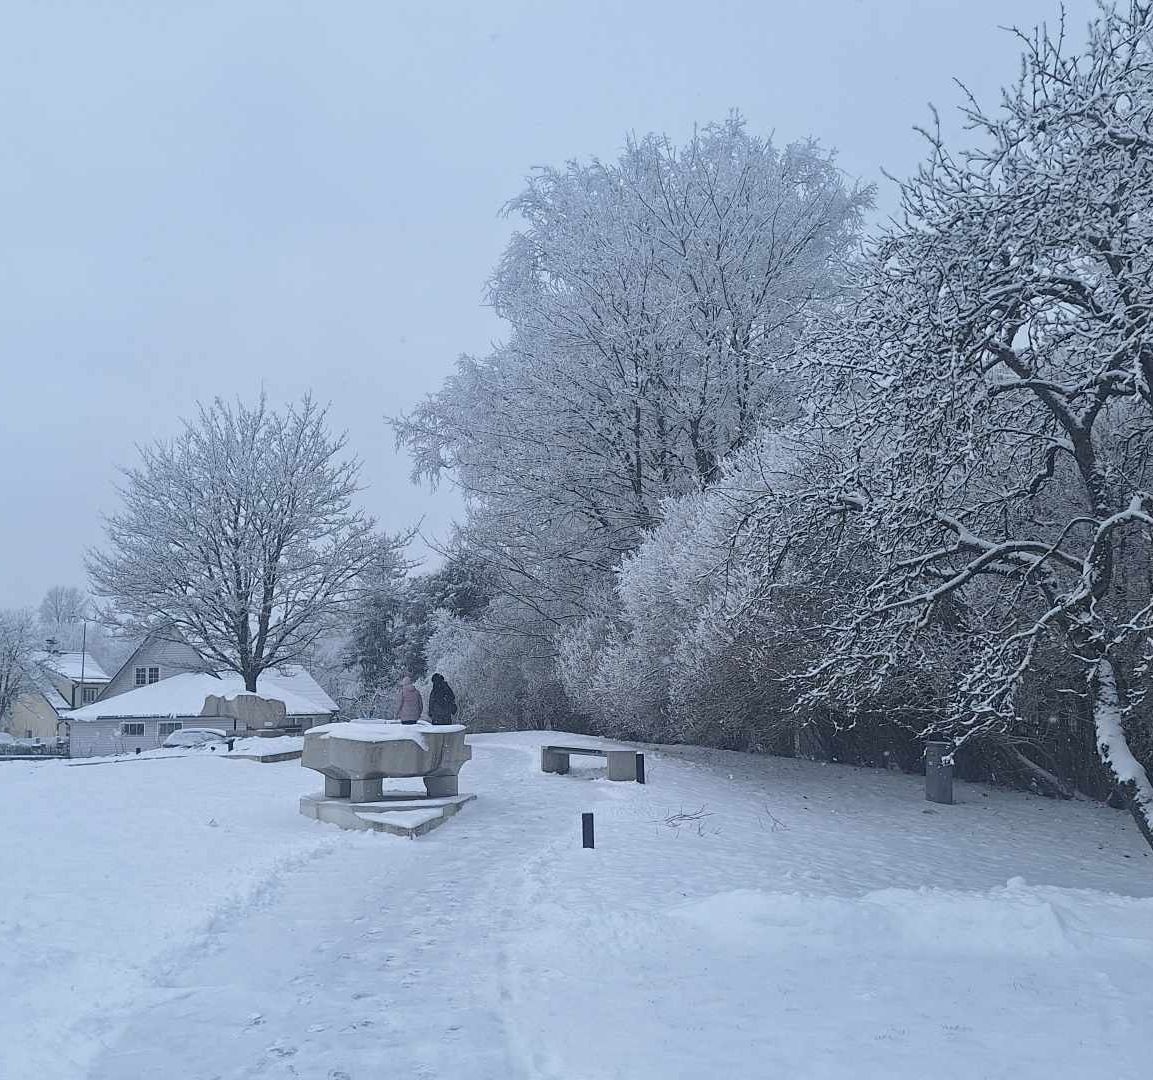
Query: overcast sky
(206, 199)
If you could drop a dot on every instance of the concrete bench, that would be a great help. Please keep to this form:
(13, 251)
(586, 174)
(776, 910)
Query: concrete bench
(623, 764)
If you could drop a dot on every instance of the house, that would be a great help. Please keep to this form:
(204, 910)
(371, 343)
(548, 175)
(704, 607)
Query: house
(61, 682)
(143, 717)
(156, 658)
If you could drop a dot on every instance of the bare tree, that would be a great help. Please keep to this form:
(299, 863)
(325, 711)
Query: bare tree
(993, 386)
(239, 537)
(17, 645)
(62, 611)
(63, 605)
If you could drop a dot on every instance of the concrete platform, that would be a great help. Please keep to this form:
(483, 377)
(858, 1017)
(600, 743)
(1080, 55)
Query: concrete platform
(398, 815)
(283, 755)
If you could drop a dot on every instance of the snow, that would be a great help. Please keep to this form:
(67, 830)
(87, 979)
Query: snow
(373, 731)
(1111, 741)
(739, 916)
(183, 695)
(51, 694)
(72, 664)
(280, 744)
(410, 819)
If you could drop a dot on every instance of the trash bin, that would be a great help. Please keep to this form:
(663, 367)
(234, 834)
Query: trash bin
(938, 773)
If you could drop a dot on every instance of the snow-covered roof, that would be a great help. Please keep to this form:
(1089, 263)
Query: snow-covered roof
(296, 680)
(72, 664)
(48, 689)
(183, 695)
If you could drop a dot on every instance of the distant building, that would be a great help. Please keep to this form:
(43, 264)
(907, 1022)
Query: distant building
(143, 718)
(159, 689)
(162, 687)
(61, 682)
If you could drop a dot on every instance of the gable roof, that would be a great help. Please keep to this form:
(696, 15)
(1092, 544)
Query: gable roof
(131, 658)
(183, 695)
(72, 664)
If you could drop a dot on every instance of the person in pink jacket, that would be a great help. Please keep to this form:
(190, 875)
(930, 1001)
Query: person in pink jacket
(410, 704)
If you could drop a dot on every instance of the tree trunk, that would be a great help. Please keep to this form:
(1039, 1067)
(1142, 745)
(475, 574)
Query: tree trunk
(1124, 769)
(1050, 783)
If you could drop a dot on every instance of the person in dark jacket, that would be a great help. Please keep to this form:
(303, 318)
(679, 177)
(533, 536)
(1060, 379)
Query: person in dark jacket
(441, 701)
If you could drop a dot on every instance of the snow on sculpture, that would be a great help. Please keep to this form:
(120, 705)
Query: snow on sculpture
(355, 759)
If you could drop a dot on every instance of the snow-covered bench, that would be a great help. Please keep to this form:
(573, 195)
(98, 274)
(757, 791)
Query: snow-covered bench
(623, 763)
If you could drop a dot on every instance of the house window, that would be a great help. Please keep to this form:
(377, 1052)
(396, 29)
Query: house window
(89, 694)
(146, 676)
(133, 730)
(167, 727)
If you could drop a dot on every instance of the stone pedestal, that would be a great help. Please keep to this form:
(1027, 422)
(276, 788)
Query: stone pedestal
(337, 789)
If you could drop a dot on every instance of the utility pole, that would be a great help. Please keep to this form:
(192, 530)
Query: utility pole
(83, 657)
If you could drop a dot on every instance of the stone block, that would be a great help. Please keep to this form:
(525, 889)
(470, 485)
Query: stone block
(365, 790)
(553, 761)
(249, 712)
(622, 764)
(335, 788)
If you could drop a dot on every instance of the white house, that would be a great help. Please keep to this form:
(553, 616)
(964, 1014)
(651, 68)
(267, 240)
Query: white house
(144, 717)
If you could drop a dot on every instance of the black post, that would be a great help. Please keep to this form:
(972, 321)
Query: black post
(587, 830)
(640, 768)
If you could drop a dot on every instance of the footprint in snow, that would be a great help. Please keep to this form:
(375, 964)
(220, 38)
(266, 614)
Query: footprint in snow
(357, 1025)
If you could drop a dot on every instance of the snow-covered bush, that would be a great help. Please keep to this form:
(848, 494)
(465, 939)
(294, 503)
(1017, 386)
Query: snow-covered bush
(502, 668)
(681, 650)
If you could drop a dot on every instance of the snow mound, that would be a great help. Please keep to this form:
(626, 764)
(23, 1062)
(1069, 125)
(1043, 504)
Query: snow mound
(260, 744)
(1013, 920)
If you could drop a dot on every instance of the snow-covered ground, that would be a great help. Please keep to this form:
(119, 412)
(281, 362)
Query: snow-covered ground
(176, 917)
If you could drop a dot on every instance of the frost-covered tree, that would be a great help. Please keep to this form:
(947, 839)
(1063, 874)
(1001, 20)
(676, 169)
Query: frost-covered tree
(704, 624)
(502, 667)
(18, 642)
(240, 537)
(400, 612)
(61, 612)
(648, 300)
(994, 379)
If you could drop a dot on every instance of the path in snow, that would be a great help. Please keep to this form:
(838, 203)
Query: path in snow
(359, 967)
(813, 921)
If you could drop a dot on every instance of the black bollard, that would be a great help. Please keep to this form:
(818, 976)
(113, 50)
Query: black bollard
(938, 773)
(640, 768)
(587, 830)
